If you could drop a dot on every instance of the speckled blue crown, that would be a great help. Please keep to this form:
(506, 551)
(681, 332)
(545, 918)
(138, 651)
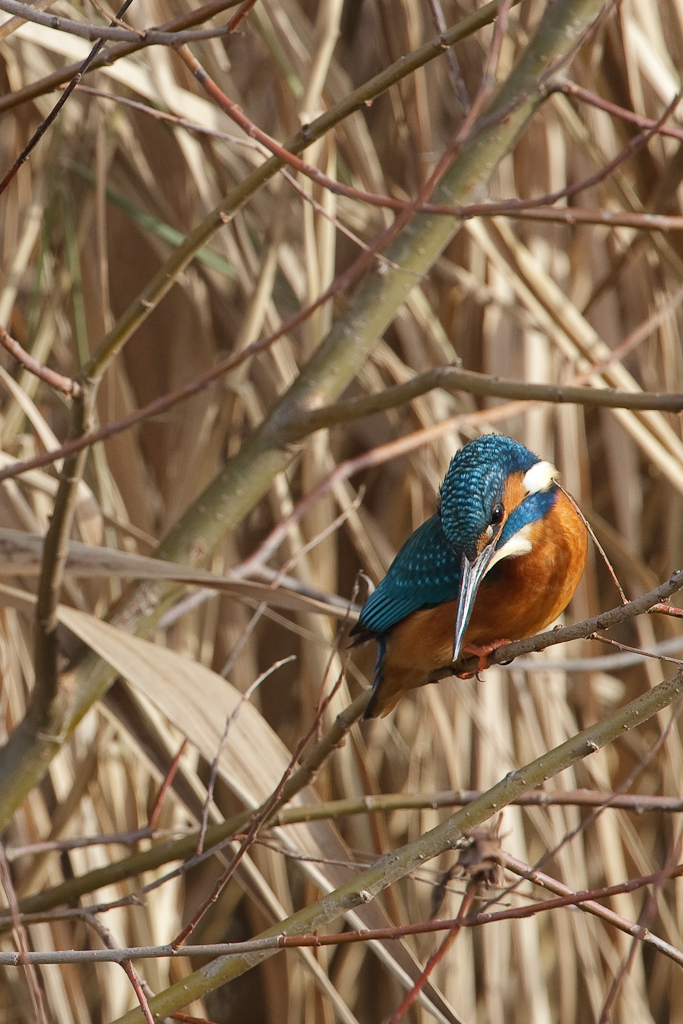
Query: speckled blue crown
(474, 483)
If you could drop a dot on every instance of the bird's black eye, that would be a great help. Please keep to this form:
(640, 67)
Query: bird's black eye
(497, 513)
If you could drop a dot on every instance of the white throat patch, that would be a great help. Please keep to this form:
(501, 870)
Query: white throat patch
(519, 544)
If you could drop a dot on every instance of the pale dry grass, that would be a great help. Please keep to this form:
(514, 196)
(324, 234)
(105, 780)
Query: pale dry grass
(84, 226)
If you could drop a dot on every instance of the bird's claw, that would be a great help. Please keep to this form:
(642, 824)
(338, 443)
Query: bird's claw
(482, 653)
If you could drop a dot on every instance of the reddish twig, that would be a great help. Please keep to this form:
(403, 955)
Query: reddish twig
(126, 964)
(258, 821)
(21, 939)
(645, 918)
(25, 10)
(513, 207)
(572, 215)
(239, 17)
(164, 788)
(66, 385)
(529, 209)
(582, 899)
(435, 958)
(667, 609)
(571, 89)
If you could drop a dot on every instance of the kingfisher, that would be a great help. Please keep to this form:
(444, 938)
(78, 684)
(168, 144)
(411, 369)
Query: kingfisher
(498, 562)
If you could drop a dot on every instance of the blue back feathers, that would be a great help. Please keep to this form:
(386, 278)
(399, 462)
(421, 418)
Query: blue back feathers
(426, 571)
(424, 574)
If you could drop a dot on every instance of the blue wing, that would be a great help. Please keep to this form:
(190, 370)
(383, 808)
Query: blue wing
(424, 574)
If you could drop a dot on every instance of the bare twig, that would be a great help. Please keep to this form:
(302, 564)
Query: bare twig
(114, 32)
(436, 957)
(21, 939)
(449, 378)
(567, 897)
(25, 11)
(258, 821)
(579, 93)
(164, 788)
(221, 746)
(126, 963)
(66, 385)
(645, 918)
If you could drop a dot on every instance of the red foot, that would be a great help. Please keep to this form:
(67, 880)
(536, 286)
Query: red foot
(482, 653)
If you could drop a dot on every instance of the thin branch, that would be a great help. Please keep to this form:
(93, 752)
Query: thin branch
(258, 822)
(449, 378)
(589, 904)
(451, 57)
(581, 630)
(412, 994)
(112, 33)
(66, 385)
(239, 17)
(566, 897)
(24, 10)
(645, 918)
(164, 788)
(21, 939)
(48, 707)
(572, 215)
(637, 803)
(453, 379)
(126, 963)
(576, 91)
(365, 93)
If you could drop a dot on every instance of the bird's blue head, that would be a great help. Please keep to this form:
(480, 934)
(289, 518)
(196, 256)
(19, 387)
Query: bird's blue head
(494, 490)
(475, 496)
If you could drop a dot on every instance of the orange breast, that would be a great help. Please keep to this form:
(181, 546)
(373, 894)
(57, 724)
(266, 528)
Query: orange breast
(519, 597)
(523, 595)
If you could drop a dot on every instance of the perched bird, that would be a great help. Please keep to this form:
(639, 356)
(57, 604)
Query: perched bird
(498, 562)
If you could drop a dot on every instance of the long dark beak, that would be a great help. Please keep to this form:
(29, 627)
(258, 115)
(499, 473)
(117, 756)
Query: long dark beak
(471, 575)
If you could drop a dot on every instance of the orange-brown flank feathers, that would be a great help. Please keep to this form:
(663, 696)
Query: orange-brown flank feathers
(519, 596)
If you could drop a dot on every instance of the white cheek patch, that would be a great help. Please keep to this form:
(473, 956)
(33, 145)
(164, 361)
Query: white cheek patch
(519, 544)
(540, 477)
